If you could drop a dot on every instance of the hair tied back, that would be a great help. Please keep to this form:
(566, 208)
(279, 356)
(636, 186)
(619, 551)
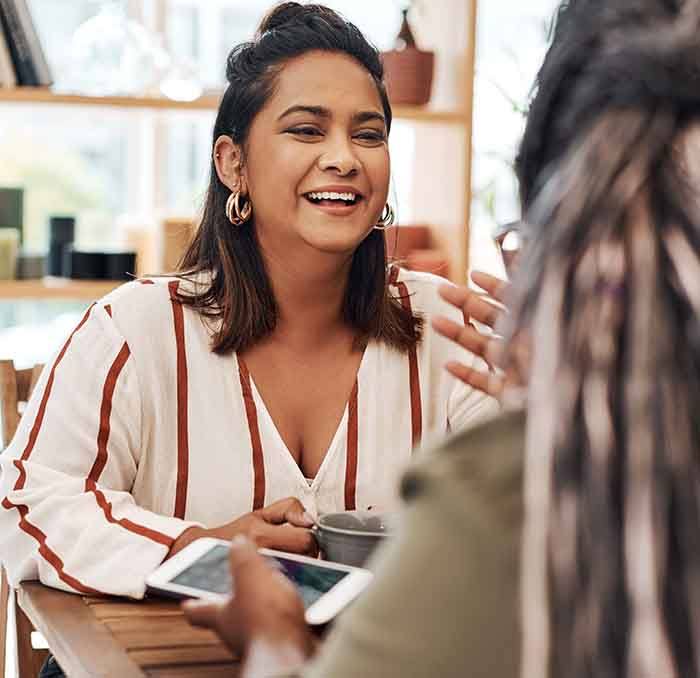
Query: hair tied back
(285, 13)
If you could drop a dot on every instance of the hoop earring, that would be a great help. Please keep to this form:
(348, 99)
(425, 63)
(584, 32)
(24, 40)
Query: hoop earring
(234, 213)
(387, 218)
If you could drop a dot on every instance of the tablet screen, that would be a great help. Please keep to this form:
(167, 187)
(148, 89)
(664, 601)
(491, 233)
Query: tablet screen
(311, 581)
(211, 573)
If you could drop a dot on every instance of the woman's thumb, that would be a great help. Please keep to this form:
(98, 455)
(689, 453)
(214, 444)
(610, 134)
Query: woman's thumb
(201, 612)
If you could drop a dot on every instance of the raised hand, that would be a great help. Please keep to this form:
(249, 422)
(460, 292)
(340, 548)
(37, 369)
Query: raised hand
(486, 308)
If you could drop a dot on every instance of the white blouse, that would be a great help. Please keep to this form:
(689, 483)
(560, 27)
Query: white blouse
(137, 431)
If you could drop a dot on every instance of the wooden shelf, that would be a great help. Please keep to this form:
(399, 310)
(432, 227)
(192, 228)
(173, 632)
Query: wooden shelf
(42, 95)
(56, 288)
(208, 102)
(428, 115)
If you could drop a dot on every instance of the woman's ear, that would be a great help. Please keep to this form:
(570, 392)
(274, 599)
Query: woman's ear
(228, 160)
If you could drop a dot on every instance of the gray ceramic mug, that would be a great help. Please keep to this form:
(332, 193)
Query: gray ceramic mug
(350, 537)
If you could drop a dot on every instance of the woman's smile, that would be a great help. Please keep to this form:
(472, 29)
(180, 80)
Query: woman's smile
(335, 200)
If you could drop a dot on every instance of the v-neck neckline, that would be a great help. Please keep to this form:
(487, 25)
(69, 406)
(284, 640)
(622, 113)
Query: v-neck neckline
(284, 451)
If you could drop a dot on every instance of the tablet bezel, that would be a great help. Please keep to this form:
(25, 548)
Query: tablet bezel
(320, 612)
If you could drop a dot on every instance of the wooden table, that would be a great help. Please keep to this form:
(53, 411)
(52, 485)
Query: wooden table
(115, 637)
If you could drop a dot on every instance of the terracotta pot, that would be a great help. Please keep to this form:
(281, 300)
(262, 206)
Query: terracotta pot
(409, 75)
(402, 240)
(429, 261)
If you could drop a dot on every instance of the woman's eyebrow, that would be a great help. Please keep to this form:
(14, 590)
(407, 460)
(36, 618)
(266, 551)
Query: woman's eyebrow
(322, 112)
(368, 116)
(318, 111)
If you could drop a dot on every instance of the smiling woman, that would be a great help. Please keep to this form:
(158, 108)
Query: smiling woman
(305, 113)
(283, 367)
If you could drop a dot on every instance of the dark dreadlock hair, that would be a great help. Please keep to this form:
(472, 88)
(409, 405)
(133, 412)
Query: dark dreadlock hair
(577, 32)
(609, 290)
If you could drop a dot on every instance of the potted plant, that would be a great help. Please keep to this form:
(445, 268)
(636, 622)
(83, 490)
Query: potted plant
(408, 70)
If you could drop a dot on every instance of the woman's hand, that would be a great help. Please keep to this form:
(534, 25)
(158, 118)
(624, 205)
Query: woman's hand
(480, 307)
(283, 525)
(263, 620)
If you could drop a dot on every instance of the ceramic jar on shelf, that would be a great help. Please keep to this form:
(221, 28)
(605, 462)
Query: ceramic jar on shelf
(408, 71)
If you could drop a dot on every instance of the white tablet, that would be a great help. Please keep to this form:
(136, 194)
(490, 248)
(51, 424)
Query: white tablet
(201, 570)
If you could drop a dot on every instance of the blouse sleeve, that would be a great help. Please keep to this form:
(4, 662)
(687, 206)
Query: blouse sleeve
(467, 407)
(68, 516)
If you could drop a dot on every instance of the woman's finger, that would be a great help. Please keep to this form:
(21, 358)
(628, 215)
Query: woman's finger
(221, 617)
(299, 518)
(492, 285)
(247, 565)
(474, 305)
(486, 382)
(202, 612)
(288, 538)
(243, 552)
(281, 511)
(464, 335)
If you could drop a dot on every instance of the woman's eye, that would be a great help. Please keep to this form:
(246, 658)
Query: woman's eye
(373, 136)
(305, 131)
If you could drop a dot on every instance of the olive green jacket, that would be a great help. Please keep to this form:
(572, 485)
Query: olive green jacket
(444, 601)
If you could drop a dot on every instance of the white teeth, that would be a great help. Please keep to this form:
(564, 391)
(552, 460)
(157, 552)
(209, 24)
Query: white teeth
(332, 195)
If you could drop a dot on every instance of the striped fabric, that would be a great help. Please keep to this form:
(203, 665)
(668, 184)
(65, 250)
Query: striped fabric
(137, 431)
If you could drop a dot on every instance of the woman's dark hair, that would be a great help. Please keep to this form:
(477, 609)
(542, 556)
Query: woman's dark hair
(608, 290)
(239, 294)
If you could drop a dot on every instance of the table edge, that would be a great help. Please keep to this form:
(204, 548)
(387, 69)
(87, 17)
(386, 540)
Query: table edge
(65, 619)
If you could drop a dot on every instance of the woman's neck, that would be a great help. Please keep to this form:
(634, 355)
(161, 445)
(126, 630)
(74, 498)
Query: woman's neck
(309, 292)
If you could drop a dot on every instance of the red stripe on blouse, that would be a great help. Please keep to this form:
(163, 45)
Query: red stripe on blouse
(351, 452)
(47, 553)
(147, 532)
(108, 308)
(145, 281)
(252, 415)
(34, 433)
(413, 375)
(182, 425)
(393, 275)
(101, 460)
(106, 412)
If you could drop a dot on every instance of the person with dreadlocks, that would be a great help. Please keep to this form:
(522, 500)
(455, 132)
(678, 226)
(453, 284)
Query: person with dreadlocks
(546, 139)
(596, 472)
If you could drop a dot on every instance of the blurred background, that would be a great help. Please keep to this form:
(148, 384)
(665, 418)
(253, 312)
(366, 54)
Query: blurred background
(112, 156)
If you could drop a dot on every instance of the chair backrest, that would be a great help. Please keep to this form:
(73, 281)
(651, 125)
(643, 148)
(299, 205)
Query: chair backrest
(16, 388)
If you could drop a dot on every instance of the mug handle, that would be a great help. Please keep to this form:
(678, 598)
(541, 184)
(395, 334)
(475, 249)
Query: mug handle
(318, 536)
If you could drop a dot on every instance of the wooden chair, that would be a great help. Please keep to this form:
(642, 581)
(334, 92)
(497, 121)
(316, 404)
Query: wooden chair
(15, 388)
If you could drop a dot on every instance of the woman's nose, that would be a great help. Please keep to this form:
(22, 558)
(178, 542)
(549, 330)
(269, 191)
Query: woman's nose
(339, 158)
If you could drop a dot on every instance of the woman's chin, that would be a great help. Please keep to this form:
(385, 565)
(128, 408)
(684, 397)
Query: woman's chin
(335, 241)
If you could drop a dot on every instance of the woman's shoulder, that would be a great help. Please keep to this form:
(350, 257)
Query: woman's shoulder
(143, 294)
(140, 294)
(145, 305)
